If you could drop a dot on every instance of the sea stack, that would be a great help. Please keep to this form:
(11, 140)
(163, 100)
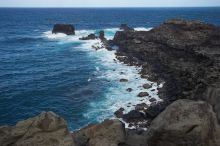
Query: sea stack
(67, 29)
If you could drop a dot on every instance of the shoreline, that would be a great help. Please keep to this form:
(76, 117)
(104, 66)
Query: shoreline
(184, 55)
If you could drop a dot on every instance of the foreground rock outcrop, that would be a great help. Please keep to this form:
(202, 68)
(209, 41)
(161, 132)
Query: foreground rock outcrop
(67, 29)
(46, 129)
(185, 122)
(108, 133)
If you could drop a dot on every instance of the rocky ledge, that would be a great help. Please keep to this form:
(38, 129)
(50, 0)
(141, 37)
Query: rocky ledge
(185, 55)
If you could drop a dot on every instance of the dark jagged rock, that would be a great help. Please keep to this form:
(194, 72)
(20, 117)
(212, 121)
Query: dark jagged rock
(152, 100)
(143, 94)
(89, 37)
(134, 116)
(141, 107)
(147, 86)
(102, 35)
(67, 29)
(123, 80)
(125, 27)
(155, 109)
(184, 54)
(119, 113)
(129, 89)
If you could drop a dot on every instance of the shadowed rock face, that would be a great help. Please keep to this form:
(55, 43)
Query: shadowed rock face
(46, 129)
(185, 122)
(67, 29)
(184, 54)
(108, 133)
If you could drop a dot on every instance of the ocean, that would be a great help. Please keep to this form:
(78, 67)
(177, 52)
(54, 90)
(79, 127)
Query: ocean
(41, 71)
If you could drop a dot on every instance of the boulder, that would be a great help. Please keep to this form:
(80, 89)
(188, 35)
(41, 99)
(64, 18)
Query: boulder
(147, 86)
(123, 80)
(141, 107)
(129, 89)
(152, 100)
(185, 123)
(143, 94)
(46, 129)
(108, 133)
(67, 29)
(89, 37)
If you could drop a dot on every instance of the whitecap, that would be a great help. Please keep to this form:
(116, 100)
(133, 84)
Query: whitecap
(142, 28)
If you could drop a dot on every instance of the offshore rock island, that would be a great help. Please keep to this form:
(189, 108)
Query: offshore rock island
(182, 55)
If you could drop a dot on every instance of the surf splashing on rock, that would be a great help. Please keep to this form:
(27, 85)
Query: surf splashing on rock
(112, 71)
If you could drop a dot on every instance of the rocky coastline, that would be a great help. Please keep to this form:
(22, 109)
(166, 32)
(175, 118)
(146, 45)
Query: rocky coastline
(185, 57)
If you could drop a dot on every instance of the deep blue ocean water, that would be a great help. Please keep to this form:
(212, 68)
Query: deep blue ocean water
(40, 71)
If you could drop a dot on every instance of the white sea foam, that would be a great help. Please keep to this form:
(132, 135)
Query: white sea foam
(142, 29)
(109, 68)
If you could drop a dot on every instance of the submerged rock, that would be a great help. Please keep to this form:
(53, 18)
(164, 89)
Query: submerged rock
(123, 80)
(67, 29)
(46, 129)
(129, 89)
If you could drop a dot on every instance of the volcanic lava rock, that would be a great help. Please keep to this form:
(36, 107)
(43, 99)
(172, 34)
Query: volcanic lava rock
(123, 80)
(125, 27)
(67, 29)
(141, 107)
(119, 113)
(89, 37)
(129, 89)
(102, 35)
(143, 94)
(152, 100)
(133, 116)
(147, 86)
(185, 55)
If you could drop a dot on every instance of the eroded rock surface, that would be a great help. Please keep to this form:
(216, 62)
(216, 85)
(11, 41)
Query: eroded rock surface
(46, 129)
(185, 122)
(108, 133)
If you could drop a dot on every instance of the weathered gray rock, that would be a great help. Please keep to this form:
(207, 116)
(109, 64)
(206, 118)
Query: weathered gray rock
(187, 123)
(108, 133)
(67, 29)
(46, 129)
